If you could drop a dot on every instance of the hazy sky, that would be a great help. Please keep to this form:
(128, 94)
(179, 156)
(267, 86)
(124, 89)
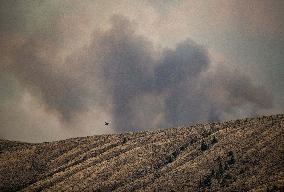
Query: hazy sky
(68, 66)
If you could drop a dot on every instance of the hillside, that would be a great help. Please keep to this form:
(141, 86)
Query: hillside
(239, 155)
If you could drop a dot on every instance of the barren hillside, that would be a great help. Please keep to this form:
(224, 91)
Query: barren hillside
(239, 155)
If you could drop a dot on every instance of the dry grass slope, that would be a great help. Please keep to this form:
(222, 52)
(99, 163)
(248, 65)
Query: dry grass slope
(239, 155)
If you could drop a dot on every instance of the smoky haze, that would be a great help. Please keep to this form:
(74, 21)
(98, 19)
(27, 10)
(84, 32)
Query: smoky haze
(139, 86)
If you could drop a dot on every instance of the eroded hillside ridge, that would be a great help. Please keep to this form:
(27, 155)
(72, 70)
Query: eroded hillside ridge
(239, 155)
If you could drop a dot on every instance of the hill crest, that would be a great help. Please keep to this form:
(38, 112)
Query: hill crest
(245, 154)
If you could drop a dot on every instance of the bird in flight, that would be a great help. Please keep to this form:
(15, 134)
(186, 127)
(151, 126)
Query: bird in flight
(106, 123)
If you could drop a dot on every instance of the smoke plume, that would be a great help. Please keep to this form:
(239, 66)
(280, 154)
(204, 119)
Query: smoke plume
(140, 86)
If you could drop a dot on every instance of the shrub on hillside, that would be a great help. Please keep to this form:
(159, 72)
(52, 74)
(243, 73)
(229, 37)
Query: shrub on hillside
(204, 146)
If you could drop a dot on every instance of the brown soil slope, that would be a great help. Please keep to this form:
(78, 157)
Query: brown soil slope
(239, 155)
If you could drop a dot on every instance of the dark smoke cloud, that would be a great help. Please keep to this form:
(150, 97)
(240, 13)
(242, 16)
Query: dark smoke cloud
(176, 75)
(131, 70)
(181, 64)
(125, 60)
(121, 70)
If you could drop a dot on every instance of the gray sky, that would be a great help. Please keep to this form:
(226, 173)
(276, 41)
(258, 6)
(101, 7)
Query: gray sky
(68, 66)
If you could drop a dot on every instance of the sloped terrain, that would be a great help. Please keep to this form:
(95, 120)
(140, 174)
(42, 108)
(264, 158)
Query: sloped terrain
(239, 155)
